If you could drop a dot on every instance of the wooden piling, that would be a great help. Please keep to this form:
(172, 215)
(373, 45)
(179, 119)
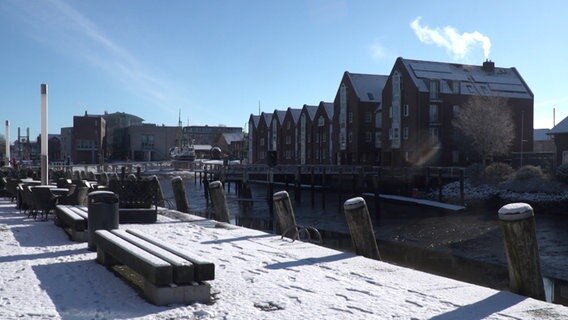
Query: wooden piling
(462, 188)
(298, 185)
(286, 221)
(179, 195)
(219, 201)
(313, 186)
(521, 248)
(160, 194)
(361, 228)
(323, 187)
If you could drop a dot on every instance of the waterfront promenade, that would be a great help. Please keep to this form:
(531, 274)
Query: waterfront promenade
(258, 276)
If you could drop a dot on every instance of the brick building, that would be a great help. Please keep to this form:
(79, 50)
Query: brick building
(423, 98)
(88, 139)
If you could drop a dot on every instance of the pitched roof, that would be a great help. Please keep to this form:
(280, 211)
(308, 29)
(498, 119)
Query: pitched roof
(311, 110)
(255, 120)
(267, 117)
(561, 127)
(232, 137)
(541, 134)
(295, 112)
(368, 87)
(328, 107)
(472, 79)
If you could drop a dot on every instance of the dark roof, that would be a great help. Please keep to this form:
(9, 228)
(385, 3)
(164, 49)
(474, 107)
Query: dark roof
(473, 79)
(368, 87)
(328, 107)
(541, 134)
(311, 110)
(561, 127)
(295, 112)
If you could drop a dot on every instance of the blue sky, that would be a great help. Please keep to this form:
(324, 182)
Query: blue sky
(217, 60)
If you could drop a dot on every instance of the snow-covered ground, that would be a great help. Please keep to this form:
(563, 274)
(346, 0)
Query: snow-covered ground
(481, 192)
(43, 275)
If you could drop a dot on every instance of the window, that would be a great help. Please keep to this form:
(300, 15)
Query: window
(378, 137)
(323, 138)
(371, 96)
(456, 87)
(390, 133)
(261, 142)
(368, 136)
(350, 135)
(434, 133)
(378, 120)
(434, 89)
(456, 111)
(405, 110)
(390, 112)
(317, 137)
(350, 117)
(147, 141)
(405, 133)
(288, 125)
(368, 117)
(261, 155)
(434, 116)
(288, 154)
(288, 140)
(396, 134)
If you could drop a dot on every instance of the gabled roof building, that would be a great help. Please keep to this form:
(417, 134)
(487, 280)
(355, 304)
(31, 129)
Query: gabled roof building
(421, 99)
(355, 104)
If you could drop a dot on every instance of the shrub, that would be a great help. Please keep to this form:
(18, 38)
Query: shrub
(475, 171)
(498, 172)
(529, 172)
(562, 173)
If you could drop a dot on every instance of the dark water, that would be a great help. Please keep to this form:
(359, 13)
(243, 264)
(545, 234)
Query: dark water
(463, 245)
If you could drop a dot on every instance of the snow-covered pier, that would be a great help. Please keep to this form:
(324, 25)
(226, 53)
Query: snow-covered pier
(258, 276)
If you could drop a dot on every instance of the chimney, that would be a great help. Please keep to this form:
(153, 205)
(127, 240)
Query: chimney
(488, 66)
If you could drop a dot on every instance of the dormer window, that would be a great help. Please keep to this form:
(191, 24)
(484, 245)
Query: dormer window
(434, 89)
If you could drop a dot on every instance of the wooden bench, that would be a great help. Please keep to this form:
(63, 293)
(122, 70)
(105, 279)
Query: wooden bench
(73, 220)
(171, 276)
(138, 200)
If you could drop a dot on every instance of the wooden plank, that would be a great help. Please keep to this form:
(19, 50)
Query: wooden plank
(152, 268)
(182, 268)
(203, 270)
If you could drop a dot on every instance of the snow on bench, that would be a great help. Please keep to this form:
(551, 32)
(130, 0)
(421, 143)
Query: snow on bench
(168, 277)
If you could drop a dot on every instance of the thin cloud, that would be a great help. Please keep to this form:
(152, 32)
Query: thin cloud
(77, 36)
(378, 52)
(557, 102)
(459, 45)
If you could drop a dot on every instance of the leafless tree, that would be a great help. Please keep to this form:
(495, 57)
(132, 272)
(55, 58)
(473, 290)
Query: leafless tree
(488, 123)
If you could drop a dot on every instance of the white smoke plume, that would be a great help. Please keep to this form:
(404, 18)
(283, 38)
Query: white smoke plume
(457, 44)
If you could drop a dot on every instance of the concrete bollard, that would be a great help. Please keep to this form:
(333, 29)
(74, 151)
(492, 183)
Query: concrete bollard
(286, 220)
(179, 195)
(219, 200)
(521, 248)
(361, 228)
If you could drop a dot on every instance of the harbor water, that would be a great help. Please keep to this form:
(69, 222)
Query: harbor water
(464, 245)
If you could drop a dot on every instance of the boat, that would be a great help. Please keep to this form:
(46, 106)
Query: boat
(184, 153)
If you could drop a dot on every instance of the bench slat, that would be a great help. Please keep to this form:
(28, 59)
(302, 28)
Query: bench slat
(152, 268)
(183, 272)
(70, 218)
(203, 270)
(80, 211)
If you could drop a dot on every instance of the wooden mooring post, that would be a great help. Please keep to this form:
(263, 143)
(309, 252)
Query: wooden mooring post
(361, 228)
(323, 188)
(286, 221)
(219, 201)
(521, 248)
(159, 192)
(179, 195)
